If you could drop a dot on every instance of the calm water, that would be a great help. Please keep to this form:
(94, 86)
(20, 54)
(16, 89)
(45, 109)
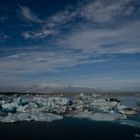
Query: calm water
(68, 129)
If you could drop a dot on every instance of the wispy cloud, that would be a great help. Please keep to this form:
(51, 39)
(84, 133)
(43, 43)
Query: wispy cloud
(3, 37)
(52, 25)
(123, 84)
(29, 15)
(124, 39)
(40, 34)
(89, 33)
(98, 11)
(103, 11)
(21, 65)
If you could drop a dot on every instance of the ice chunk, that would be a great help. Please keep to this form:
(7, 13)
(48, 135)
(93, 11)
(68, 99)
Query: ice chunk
(130, 123)
(21, 102)
(106, 117)
(10, 119)
(48, 117)
(103, 105)
(126, 110)
(121, 107)
(35, 116)
(97, 116)
(80, 114)
(11, 109)
(9, 105)
(3, 113)
(84, 97)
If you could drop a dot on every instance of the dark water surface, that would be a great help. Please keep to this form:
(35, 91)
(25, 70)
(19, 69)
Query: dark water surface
(68, 129)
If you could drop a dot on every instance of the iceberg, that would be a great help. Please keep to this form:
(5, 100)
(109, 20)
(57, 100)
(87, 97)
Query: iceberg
(21, 102)
(9, 107)
(35, 116)
(80, 114)
(45, 108)
(123, 109)
(106, 117)
(47, 117)
(130, 123)
(97, 116)
(11, 118)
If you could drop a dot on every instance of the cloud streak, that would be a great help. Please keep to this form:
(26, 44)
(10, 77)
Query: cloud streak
(28, 15)
(3, 37)
(52, 25)
(98, 11)
(104, 11)
(44, 61)
(87, 34)
(101, 41)
(22, 66)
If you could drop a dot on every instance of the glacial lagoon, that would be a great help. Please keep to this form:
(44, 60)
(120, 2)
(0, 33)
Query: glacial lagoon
(94, 118)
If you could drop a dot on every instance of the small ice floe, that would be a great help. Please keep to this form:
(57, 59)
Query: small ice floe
(113, 100)
(128, 111)
(138, 102)
(106, 117)
(83, 97)
(123, 109)
(137, 135)
(9, 107)
(80, 114)
(97, 116)
(130, 123)
(35, 116)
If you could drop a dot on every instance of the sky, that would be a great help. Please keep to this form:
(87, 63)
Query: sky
(91, 43)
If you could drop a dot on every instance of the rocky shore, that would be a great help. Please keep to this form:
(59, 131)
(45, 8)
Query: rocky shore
(15, 108)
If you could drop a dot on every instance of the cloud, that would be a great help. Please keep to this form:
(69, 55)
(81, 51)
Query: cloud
(82, 35)
(29, 66)
(3, 37)
(52, 25)
(123, 84)
(43, 61)
(39, 34)
(97, 11)
(28, 15)
(100, 41)
(103, 11)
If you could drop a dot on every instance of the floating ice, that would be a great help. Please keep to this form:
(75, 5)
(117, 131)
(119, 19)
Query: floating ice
(44, 108)
(46, 117)
(130, 123)
(97, 116)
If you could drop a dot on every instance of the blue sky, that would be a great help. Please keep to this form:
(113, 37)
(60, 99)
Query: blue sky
(93, 43)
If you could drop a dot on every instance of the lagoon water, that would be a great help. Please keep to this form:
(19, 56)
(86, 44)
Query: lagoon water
(73, 129)
(68, 129)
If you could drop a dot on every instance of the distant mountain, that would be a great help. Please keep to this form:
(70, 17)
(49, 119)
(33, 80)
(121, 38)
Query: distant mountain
(55, 88)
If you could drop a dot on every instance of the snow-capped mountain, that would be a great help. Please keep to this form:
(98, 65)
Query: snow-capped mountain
(56, 88)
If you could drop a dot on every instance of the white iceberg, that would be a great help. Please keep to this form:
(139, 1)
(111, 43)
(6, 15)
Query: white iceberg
(130, 123)
(106, 117)
(35, 116)
(96, 116)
